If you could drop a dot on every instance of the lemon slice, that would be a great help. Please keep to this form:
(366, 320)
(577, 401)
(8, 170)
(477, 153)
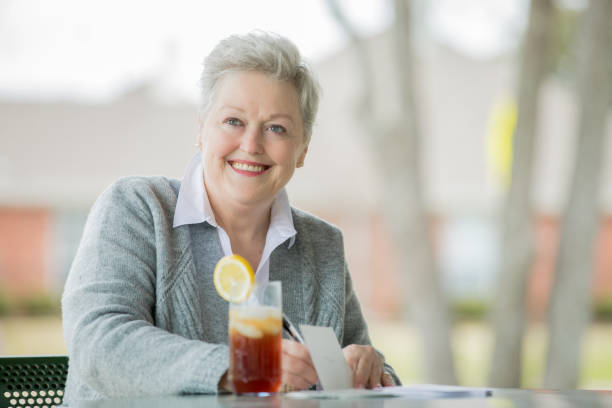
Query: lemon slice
(233, 278)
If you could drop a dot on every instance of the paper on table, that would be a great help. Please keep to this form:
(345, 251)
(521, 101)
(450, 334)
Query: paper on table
(420, 391)
(336, 376)
(333, 372)
(439, 391)
(342, 394)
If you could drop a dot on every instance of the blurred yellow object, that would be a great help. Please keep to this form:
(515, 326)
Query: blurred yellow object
(234, 278)
(501, 134)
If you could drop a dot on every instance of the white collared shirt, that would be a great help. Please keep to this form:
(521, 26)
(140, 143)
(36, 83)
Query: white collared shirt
(193, 207)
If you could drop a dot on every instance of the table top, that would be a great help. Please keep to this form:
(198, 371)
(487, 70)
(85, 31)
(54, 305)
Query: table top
(514, 398)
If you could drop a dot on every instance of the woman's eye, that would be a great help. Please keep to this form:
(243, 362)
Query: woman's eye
(277, 129)
(233, 122)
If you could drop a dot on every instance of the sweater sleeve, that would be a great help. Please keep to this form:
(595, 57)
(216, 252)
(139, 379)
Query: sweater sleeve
(108, 308)
(355, 327)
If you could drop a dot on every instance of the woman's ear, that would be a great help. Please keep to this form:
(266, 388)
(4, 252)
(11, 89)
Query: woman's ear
(302, 157)
(199, 140)
(199, 137)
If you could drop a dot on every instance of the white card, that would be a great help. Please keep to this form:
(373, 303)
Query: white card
(334, 373)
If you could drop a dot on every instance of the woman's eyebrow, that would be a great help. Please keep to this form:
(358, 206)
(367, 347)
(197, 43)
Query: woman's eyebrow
(281, 115)
(232, 108)
(271, 117)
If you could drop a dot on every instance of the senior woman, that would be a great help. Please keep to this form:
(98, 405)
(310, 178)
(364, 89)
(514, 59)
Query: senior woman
(140, 311)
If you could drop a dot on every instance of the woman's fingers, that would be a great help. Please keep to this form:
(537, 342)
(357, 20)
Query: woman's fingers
(297, 350)
(376, 373)
(367, 373)
(297, 368)
(293, 382)
(387, 380)
(366, 365)
(363, 371)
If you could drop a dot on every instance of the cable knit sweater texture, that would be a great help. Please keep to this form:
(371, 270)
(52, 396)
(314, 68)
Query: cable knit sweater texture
(140, 312)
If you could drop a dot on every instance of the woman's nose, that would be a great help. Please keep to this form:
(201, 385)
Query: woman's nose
(252, 140)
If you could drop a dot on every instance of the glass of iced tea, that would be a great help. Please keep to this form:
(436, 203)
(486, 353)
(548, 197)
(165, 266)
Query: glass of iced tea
(255, 333)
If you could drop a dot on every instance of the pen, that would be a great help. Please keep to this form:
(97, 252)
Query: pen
(291, 330)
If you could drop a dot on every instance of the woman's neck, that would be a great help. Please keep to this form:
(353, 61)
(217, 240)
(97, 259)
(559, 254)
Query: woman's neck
(245, 225)
(243, 222)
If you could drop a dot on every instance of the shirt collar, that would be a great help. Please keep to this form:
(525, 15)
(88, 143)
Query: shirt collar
(193, 206)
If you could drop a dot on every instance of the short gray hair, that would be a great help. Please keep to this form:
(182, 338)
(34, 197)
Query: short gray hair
(264, 52)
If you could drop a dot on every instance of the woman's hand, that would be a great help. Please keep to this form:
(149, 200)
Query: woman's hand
(298, 371)
(367, 367)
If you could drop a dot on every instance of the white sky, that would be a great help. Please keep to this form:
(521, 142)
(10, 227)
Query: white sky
(92, 50)
(479, 28)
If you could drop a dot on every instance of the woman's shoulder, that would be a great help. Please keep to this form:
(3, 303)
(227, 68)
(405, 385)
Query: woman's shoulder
(314, 227)
(142, 188)
(158, 184)
(154, 195)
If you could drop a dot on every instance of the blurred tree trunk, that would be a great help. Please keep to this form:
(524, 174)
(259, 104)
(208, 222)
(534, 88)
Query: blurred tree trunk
(397, 148)
(570, 305)
(509, 308)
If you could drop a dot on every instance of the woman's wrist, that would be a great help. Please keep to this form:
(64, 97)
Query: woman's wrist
(224, 383)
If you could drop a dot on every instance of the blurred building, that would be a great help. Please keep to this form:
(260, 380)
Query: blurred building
(56, 157)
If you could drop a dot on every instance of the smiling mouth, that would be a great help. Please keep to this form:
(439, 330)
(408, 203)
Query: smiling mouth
(248, 167)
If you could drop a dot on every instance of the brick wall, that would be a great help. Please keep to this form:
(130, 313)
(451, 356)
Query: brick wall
(24, 240)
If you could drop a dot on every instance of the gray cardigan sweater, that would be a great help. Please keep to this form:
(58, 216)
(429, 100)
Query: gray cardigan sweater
(140, 311)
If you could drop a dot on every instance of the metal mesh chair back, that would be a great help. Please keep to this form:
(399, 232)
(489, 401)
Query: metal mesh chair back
(32, 381)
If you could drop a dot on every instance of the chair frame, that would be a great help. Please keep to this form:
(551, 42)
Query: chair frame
(34, 381)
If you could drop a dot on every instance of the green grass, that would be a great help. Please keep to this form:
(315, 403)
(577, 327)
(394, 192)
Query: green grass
(472, 343)
(597, 358)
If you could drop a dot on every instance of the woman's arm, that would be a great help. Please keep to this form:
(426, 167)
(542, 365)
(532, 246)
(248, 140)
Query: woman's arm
(109, 307)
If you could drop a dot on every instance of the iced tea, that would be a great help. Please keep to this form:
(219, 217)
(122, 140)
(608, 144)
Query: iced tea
(255, 348)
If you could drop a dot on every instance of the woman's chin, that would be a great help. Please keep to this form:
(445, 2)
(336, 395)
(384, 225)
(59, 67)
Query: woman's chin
(247, 198)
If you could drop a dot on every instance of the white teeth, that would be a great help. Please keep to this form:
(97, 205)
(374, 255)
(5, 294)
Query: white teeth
(247, 167)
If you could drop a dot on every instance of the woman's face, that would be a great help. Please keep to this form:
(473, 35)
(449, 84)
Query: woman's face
(252, 138)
